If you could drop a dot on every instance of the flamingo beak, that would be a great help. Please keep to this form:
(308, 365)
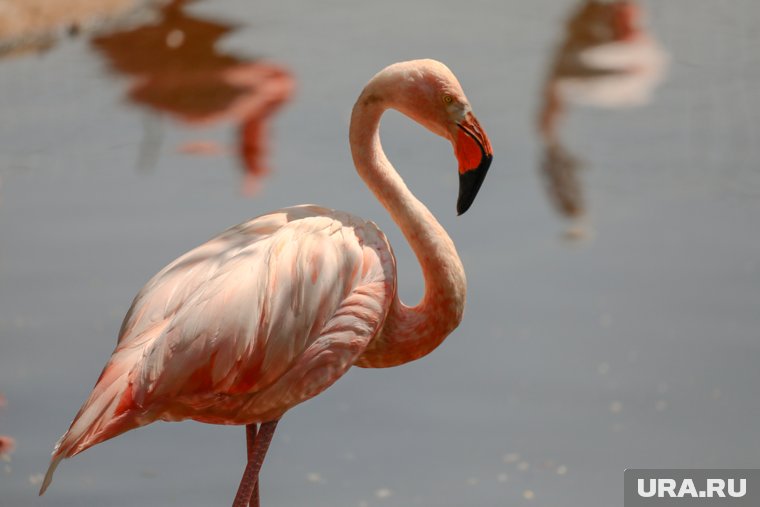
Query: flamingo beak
(473, 151)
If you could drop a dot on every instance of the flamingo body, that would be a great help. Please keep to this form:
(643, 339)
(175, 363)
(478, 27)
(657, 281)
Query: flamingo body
(260, 318)
(271, 312)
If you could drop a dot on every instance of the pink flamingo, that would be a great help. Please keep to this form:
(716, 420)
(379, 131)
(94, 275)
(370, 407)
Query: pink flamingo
(7, 444)
(272, 311)
(608, 59)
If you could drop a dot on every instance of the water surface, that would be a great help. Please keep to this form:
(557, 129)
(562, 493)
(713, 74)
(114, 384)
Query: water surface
(634, 347)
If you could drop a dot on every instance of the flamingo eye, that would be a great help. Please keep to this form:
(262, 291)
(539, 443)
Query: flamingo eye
(448, 99)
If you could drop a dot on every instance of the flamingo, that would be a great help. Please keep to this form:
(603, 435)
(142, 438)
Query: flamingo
(606, 59)
(34, 26)
(272, 311)
(7, 444)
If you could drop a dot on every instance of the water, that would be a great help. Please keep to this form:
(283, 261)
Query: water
(636, 345)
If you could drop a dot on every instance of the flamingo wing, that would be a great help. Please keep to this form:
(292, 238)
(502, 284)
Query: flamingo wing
(236, 313)
(264, 316)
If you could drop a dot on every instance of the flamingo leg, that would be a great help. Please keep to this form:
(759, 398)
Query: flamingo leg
(250, 439)
(257, 452)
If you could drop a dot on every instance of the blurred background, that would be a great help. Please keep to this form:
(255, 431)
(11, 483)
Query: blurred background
(613, 257)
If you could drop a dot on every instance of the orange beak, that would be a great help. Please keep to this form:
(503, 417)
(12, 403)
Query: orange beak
(473, 151)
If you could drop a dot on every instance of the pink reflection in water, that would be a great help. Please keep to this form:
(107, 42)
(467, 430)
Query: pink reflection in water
(176, 70)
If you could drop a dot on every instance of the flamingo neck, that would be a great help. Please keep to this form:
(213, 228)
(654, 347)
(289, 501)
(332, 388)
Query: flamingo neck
(409, 332)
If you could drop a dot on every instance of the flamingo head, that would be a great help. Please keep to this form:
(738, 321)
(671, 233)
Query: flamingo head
(429, 93)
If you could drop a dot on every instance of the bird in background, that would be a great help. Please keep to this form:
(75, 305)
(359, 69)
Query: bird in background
(607, 58)
(271, 312)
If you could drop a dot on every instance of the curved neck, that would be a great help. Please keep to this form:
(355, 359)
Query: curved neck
(408, 332)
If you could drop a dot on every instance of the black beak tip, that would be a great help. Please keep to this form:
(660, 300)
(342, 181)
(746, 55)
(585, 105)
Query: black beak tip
(470, 183)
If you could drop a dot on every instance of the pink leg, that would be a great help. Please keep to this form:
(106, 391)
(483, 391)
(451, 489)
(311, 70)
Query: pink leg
(251, 473)
(250, 439)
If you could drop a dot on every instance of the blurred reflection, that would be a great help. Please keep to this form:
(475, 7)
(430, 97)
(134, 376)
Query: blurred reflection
(176, 70)
(606, 59)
